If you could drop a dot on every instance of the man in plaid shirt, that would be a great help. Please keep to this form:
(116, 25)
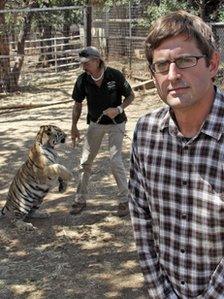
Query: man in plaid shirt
(177, 165)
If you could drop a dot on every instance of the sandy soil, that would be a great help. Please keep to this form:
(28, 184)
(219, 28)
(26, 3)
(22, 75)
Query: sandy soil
(92, 255)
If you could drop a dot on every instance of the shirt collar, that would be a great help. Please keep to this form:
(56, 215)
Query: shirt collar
(91, 80)
(213, 125)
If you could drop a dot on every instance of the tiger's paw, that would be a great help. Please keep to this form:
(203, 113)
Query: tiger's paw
(24, 226)
(62, 186)
(38, 215)
(68, 176)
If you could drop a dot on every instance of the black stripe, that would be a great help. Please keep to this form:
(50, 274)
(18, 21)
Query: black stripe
(14, 198)
(35, 188)
(21, 192)
(19, 206)
(33, 163)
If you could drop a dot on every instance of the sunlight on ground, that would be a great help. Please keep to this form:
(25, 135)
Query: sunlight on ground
(19, 289)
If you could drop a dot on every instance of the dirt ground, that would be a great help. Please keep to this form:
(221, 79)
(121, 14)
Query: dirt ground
(91, 255)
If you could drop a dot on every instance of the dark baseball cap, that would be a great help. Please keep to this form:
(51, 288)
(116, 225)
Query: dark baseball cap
(89, 53)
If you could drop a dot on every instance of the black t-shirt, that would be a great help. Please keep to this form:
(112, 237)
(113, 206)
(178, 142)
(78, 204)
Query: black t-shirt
(109, 94)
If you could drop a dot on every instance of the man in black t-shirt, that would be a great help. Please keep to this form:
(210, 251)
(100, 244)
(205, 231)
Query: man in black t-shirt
(103, 88)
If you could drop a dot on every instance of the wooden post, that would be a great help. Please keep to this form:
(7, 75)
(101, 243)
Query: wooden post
(88, 25)
(55, 56)
(130, 35)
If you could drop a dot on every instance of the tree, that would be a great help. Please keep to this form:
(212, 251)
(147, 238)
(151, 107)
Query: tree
(4, 51)
(208, 10)
(16, 70)
(10, 76)
(156, 9)
(46, 22)
(51, 23)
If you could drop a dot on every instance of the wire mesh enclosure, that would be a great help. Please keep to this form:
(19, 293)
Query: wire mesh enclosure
(117, 31)
(36, 43)
(218, 29)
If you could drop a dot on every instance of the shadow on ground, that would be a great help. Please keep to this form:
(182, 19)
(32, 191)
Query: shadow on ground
(91, 255)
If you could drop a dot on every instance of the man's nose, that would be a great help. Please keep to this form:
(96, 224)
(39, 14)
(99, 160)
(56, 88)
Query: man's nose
(173, 72)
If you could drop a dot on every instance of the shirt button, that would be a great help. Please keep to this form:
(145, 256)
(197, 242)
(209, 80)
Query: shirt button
(184, 216)
(184, 182)
(182, 250)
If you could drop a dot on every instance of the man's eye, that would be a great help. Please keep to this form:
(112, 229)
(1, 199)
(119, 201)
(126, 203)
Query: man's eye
(160, 66)
(184, 61)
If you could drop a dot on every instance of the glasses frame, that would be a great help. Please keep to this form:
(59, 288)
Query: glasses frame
(197, 57)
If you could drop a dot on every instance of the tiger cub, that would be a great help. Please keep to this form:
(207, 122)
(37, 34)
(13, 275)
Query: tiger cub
(35, 178)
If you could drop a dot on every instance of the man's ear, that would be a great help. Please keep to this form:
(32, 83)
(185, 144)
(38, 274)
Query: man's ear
(214, 64)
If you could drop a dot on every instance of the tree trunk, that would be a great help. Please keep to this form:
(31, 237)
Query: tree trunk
(4, 53)
(66, 29)
(202, 9)
(45, 29)
(16, 71)
(9, 78)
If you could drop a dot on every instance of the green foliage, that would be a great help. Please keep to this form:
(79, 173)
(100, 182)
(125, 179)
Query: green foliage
(154, 11)
(111, 3)
(54, 19)
(51, 3)
(221, 15)
(119, 2)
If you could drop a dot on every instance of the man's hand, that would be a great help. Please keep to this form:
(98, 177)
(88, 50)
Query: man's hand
(111, 112)
(75, 135)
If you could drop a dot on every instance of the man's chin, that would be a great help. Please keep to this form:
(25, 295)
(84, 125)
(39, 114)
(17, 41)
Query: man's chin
(175, 101)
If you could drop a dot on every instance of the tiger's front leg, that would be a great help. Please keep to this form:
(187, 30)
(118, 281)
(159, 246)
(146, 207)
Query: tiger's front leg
(23, 226)
(62, 185)
(34, 213)
(17, 219)
(58, 170)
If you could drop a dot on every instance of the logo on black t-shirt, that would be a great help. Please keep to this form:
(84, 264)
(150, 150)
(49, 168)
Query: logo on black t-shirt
(111, 85)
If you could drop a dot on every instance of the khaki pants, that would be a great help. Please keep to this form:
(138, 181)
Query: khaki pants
(94, 136)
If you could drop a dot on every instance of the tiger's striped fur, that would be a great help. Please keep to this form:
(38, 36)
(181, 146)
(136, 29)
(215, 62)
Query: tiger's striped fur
(36, 177)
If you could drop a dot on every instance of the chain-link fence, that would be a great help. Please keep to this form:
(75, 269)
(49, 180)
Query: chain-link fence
(36, 44)
(218, 29)
(119, 35)
(118, 31)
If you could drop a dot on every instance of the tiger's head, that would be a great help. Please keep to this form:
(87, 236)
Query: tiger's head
(50, 135)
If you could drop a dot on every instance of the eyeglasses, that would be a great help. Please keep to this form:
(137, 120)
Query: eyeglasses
(181, 63)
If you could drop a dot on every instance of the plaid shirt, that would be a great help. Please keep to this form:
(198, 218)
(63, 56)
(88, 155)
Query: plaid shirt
(177, 205)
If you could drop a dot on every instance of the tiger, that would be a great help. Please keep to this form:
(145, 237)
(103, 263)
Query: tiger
(35, 178)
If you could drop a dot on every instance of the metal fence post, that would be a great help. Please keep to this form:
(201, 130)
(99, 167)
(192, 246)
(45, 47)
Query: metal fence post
(107, 34)
(55, 56)
(88, 25)
(130, 35)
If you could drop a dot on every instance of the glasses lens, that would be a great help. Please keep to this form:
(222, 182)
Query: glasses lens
(185, 62)
(161, 67)
(181, 63)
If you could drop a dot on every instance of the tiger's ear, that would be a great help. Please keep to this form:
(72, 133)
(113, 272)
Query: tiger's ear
(46, 129)
(42, 135)
(49, 130)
